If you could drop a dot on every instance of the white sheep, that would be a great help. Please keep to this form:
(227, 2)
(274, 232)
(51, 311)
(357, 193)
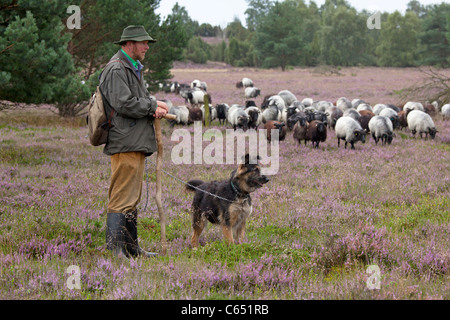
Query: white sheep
(364, 106)
(244, 83)
(182, 114)
(254, 117)
(381, 128)
(445, 111)
(288, 97)
(352, 113)
(350, 130)
(392, 115)
(357, 102)
(277, 101)
(272, 113)
(307, 102)
(378, 108)
(252, 92)
(344, 104)
(324, 106)
(421, 122)
(197, 97)
(412, 105)
(237, 117)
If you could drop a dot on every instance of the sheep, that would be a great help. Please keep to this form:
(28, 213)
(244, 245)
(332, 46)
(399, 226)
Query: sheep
(307, 102)
(288, 113)
(392, 115)
(429, 108)
(252, 92)
(419, 121)
(357, 102)
(352, 113)
(195, 84)
(350, 130)
(445, 111)
(364, 120)
(288, 97)
(278, 101)
(317, 115)
(266, 101)
(197, 97)
(195, 114)
(254, 117)
(324, 106)
(244, 83)
(199, 84)
(250, 103)
(378, 107)
(344, 104)
(238, 118)
(182, 114)
(222, 112)
(293, 119)
(271, 125)
(402, 121)
(334, 115)
(412, 105)
(270, 114)
(381, 128)
(176, 87)
(300, 128)
(364, 106)
(393, 107)
(316, 132)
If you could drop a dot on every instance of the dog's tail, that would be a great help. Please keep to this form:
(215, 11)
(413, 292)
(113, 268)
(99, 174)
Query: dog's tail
(193, 183)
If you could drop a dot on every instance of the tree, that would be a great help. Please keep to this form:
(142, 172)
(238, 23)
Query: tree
(277, 37)
(255, 11)
(34, 59)
(342, 36)
(198, 50)
(435, 26)
(398, 40)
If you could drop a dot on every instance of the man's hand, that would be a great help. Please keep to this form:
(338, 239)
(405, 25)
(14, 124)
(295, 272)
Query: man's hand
(161, 110)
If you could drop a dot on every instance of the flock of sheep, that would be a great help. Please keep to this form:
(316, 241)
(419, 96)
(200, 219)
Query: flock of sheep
(308, 119)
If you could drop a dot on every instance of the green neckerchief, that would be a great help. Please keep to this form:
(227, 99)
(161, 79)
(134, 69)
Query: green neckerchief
(135, 63)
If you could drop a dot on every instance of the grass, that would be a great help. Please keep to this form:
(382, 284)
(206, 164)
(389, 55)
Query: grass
(314, 229)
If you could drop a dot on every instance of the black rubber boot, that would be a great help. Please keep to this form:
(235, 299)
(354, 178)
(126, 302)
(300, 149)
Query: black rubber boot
(116, 234)
(132, 238)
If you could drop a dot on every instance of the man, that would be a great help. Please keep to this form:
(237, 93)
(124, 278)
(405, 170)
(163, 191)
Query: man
(131, 138)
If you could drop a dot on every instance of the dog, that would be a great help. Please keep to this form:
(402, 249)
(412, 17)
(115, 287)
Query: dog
(234, 206)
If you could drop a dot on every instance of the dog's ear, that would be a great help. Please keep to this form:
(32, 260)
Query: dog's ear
(247, 160)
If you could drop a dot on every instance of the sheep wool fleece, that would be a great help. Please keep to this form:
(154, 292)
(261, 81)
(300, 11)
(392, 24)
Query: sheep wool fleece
(127, 170)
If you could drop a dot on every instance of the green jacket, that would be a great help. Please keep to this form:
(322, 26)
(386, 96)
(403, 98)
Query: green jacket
(132, 124)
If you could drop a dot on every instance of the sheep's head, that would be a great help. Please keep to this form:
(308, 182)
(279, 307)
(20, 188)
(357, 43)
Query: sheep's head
(242, 122)
(360, 135)
(432, 132)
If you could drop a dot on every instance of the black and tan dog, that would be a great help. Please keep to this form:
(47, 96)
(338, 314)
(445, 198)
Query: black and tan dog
(233, 207)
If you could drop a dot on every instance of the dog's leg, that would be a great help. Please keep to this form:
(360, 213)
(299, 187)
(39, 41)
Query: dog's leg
(240, 232)
(198, 224)
(227, 233)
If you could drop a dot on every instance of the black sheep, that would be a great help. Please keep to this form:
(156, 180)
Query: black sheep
(316, 132)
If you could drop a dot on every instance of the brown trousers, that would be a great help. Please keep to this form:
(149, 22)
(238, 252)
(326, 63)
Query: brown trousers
(127, 173)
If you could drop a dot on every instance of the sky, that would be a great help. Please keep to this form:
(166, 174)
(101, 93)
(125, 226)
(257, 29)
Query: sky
(221, 12)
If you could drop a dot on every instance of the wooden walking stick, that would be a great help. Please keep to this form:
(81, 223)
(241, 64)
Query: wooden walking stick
(162, 216)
